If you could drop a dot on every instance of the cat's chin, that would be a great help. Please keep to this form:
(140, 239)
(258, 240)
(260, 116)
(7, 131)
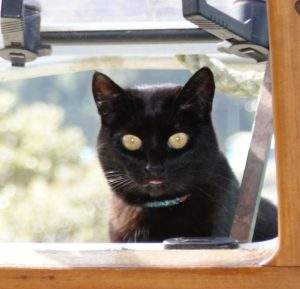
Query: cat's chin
(154, 187)
(149, 195)
(158, 190)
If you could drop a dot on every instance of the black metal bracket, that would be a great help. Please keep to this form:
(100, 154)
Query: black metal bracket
(20, 27)
(242, 24)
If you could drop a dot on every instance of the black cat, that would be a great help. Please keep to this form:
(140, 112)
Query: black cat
(160, 155)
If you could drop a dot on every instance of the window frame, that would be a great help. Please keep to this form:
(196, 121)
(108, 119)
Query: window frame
(277, 271)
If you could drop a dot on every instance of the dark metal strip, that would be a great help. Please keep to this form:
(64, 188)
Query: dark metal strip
(249, 198)
(116, 36)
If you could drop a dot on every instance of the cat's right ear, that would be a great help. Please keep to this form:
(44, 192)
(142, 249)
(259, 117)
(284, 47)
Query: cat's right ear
(105, 92)
(104, 89)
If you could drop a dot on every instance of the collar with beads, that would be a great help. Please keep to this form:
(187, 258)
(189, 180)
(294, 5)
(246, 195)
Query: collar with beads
(166, 203)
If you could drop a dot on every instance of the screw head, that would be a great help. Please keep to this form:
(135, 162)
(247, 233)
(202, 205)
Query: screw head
(297, 6)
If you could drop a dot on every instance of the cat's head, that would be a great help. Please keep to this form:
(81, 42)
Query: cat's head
(156, 142)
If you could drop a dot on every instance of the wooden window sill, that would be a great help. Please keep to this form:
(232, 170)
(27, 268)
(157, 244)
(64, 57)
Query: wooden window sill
(97, 255)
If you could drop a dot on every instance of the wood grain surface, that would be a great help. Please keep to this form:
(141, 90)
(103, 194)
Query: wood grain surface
(284, 27)
(108, 278)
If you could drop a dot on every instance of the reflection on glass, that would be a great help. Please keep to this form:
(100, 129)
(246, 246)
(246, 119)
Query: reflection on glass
(51, 188)
(115, 14)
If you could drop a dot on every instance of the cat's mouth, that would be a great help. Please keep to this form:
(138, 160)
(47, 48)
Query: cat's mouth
(155, 187)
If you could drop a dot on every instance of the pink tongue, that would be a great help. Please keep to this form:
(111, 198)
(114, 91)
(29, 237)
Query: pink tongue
(184, 198)
(155, 182)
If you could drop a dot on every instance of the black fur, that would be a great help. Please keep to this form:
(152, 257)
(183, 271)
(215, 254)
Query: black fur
(199, 169)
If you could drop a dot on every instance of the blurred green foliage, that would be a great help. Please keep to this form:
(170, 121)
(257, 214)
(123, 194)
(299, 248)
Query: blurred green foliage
(52, 188)
(48, 191)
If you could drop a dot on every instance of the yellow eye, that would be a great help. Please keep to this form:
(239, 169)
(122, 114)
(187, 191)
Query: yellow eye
(131, 142)
(178, 141)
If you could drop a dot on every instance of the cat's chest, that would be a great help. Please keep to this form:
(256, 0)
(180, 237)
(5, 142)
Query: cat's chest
(134, 224)
(178, 221)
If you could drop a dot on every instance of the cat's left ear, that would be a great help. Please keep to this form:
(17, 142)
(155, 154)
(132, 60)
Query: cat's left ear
(199, 91)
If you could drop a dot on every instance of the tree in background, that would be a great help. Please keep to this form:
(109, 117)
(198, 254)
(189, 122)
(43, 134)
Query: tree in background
(48, 190)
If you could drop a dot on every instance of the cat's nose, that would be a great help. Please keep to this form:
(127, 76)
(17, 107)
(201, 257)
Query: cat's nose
(154, 169)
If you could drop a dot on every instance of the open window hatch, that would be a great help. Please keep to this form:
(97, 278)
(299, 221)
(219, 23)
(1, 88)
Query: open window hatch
(34, 32)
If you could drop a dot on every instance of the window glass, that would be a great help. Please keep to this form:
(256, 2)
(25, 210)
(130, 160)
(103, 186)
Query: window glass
(112, 15)
(51, 186)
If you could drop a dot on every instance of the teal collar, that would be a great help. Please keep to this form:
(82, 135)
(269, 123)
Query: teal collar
(166, 203)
